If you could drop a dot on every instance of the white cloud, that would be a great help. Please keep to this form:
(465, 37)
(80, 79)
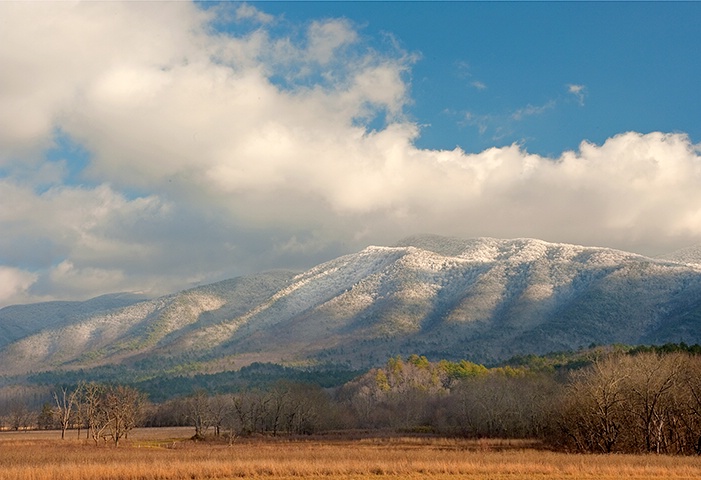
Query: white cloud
(325, 38)
(52, 51)
(204, 164)
(249, 12)
(500, 126)
(530, 110)
(579, 92)
(464, 71)
(13, 285)
(482, 122)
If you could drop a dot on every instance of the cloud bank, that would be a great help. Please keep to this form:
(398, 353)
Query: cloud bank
(153, 146)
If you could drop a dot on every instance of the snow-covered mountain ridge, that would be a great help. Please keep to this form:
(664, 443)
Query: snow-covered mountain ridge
(482, 299)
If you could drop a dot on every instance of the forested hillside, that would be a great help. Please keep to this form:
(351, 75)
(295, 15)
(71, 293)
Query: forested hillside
(483, 299)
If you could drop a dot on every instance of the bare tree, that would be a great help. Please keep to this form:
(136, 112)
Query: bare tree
(66, 401)
(93, 410)
(646, 402)
(21, 418)
(308, 409)
(219, 407)
(692, 386)
(243, 413)
(122, 407)
(110, 411)
(651, 387)
(251, 411)
(199, 413)
(593, 414)
(277, 405)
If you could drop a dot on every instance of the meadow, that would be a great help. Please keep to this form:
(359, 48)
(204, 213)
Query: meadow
(168, 454)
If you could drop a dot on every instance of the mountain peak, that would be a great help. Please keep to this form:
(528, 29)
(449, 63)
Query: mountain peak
(488, 249)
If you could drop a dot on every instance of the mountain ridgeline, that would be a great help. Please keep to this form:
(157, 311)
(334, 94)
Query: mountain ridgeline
(480, 299)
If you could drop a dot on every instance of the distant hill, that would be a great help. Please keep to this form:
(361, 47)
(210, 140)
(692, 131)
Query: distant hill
(480, 299)
(685, 255)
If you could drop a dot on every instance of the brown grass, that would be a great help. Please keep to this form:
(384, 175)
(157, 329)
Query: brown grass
(165, 454)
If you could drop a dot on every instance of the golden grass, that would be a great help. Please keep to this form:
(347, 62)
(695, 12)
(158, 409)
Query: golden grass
(156, 454)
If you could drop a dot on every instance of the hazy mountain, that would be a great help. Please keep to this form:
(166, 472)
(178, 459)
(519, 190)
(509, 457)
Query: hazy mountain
(690, 254)
(19, 321)
(481, 299)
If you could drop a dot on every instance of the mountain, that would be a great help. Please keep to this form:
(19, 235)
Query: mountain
(481, 299)
(690, 254)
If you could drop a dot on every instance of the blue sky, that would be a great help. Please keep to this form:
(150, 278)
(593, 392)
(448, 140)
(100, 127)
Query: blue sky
(152, 146)
(637, 63)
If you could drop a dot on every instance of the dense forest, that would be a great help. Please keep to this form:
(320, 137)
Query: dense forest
(605, 399)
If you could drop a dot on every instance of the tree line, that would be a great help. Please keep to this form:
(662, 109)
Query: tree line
(648, 402)
(619, 400)
(103, 412)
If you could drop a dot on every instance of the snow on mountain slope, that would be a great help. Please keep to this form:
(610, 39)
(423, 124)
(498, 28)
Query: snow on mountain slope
(690, 255)
(486, 296)
(482, 299)
(18, 321)
(85, 337)
(306, 291)
(115, 334)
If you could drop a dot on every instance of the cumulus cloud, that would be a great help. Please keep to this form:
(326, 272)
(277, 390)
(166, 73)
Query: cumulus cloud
(212, 155)
(13, 284)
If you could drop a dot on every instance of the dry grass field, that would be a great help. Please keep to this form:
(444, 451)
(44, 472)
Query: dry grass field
(165, 454)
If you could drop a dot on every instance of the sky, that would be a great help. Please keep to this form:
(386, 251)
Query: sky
(154, 146)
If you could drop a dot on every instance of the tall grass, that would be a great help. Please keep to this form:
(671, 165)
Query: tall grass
(166, 458)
